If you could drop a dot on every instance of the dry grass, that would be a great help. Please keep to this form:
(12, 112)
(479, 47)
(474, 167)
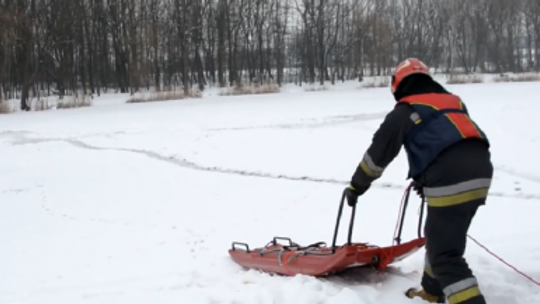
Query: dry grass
(163, 96)
(76, 101)
(315, 88)
(42, 104)
(240, 89)
(524, 77)
(464, 79)
(376, 82)
(6, 107)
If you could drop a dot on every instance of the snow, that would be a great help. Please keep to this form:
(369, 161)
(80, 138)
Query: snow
(139, 203)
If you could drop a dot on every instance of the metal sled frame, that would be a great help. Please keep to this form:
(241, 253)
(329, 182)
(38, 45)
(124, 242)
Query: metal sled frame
(319, 260)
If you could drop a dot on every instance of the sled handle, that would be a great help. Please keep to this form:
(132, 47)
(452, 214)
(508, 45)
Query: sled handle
(338, 220)
(405, 203)
(401, 222)
(421, 217)
(404, 212)
(235, 246)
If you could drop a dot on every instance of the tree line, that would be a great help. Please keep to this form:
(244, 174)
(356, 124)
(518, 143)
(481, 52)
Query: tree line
(91, 46)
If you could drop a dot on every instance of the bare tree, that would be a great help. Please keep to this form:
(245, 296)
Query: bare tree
(92, 46)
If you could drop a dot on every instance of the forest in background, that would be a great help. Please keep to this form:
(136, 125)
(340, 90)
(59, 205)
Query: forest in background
(57, 47)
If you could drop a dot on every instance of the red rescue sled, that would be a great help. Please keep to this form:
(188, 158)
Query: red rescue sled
(320, 260)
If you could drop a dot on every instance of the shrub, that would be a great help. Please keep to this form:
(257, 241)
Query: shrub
(76, 101)
(524, 77)
(162, 96)
(463, 79)
(6, 107)
(376, 82)
(41, 105)
(240, 89)
(315, 88)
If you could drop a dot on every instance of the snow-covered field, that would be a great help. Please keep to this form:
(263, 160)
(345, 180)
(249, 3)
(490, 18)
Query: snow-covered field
(138, 204)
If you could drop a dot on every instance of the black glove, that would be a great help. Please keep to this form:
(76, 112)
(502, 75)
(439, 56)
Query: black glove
(418, 188)
(352, 194)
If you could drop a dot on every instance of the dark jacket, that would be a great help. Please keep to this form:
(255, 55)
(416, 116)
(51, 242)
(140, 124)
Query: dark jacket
(462, 161)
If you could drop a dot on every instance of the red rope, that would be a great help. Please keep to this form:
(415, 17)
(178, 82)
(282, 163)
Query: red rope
(505, 262)
(386, 258)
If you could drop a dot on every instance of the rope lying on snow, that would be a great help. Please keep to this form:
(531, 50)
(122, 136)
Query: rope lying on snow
(526, 276)
(386, 259)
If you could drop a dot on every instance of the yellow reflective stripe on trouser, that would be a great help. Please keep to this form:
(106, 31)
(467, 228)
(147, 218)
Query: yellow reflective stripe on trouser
(369, 166)
(462, 291)
(427, 267)
(458, 193)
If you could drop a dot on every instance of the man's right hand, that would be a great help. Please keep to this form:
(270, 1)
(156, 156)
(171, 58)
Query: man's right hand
(418, 188)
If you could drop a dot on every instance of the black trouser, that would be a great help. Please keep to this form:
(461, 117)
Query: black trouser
(446, 272)
(455, 185)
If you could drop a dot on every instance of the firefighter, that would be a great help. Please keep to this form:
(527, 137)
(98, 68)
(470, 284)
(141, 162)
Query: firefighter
(449, 162)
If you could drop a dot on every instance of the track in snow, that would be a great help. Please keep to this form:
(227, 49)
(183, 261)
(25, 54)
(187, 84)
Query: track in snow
(23, 138)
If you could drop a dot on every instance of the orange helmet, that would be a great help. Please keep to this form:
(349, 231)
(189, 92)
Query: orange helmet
(408, 67)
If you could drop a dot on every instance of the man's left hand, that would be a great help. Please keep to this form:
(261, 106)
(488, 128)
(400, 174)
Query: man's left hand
(352, 194)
